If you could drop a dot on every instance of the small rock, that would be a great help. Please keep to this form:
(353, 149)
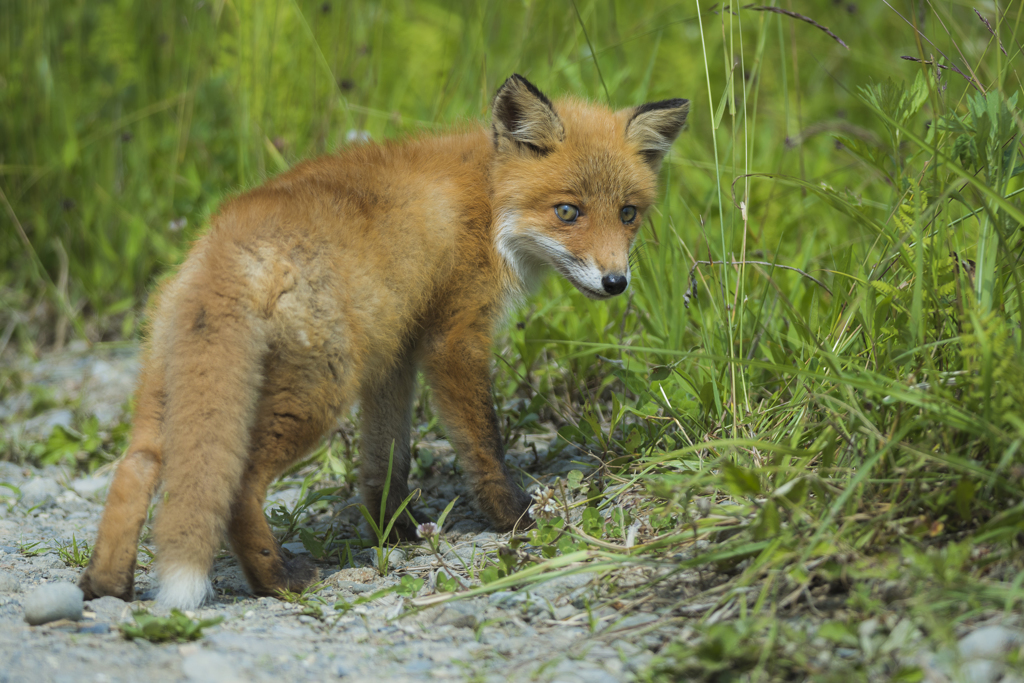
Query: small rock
(295, 548)
(458, 620)
(111, 609)
(90, 487)
(563, 613)
(39, 491)
(989, 642)
(507, 598)
(981, 671)
(209, 667)
(9, 583)
(355, 574)
(53, 601)
(632, 621)
(556, 588)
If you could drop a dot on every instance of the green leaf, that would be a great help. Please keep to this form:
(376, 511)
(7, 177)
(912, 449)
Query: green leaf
(574, 479)
(447, 584)
(592, 523)
(964, 497)
(492, 574)
(660, 373)
(409, 586)
(741, 481)
(311, 543)
(769, 524)
(839, 632)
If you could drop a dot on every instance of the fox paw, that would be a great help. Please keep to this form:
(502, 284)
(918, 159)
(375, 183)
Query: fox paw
(96, 586)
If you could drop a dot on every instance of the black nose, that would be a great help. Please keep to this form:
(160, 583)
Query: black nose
(614, 283)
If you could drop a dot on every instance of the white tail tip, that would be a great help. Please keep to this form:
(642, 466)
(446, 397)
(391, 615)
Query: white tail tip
(184, 588)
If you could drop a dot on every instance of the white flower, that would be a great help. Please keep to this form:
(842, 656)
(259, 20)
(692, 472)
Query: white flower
(544, 504)
(426, 530)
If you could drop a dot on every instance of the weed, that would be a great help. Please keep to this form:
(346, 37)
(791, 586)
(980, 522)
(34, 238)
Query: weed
(174, 628)
(382, 526)
(33, 549)
(72, 553)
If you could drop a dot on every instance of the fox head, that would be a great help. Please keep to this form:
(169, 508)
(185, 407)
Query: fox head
(571, 182)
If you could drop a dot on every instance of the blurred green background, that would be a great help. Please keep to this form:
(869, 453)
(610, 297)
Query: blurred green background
(126, 122)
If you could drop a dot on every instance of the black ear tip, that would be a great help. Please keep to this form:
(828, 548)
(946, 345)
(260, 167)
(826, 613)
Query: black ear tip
(677, 103)
(514, 79)
(530, 88)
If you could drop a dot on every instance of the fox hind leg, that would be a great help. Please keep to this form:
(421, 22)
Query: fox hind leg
(111, 569)
(214, 377)
(386, 423)
(286, 429)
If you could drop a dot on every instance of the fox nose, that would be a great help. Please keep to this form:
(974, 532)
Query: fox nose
(614, 283)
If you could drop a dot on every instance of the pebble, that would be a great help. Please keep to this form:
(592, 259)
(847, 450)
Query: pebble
(92, 487)
(39, 491)
(110, 609)
(53, 601)
(989, 642)
(981, 671)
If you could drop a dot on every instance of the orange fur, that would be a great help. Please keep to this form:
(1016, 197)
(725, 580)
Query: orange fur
(337, 280)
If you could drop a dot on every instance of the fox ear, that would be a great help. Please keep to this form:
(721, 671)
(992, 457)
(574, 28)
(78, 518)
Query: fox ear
(523, 115)
(653, 128)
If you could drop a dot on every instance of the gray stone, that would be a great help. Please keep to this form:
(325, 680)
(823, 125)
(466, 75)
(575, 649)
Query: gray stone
(9, 583)
(210, 667)
(989, 642)
(563, 585)
(92, 487)
(53, 601)
(563, 613)
(110, 609)
(981, 671)
(396, 557)
(39, 491)
(632, 621)
(507, 598)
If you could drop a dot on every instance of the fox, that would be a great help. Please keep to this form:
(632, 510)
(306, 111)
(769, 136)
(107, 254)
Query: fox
(334, 284)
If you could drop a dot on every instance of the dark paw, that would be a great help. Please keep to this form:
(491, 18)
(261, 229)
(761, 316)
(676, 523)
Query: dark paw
(94, 587)
(507, 506)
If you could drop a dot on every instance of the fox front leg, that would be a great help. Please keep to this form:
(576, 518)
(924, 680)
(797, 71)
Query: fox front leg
(457, 367)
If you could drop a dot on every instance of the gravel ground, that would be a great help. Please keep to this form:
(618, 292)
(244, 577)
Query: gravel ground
(561, 631)
(545, 634)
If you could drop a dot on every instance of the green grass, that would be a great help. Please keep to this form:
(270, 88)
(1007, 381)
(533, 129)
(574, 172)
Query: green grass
(819, 367)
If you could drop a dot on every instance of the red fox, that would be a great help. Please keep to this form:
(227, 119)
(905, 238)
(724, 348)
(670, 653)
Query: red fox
(335, 282)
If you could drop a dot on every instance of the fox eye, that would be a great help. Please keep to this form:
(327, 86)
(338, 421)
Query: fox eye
(567, 212)
(628, 213)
